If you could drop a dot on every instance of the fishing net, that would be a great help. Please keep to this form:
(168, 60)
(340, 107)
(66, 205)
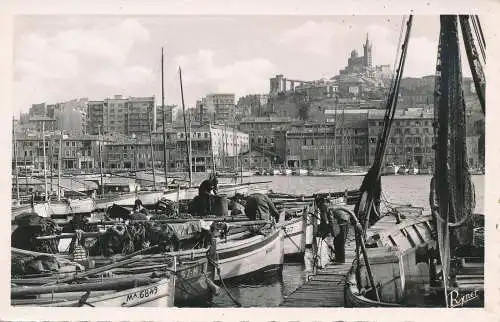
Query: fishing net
(29, 227)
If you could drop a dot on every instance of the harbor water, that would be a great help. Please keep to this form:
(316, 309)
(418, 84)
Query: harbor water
(268, 291)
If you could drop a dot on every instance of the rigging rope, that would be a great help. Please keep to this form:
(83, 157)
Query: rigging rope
(479, 36)
(371, 184)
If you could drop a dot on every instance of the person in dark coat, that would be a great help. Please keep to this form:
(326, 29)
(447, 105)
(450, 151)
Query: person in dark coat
(334, 222)
(138, 212)
(201, 205)
(258, 206)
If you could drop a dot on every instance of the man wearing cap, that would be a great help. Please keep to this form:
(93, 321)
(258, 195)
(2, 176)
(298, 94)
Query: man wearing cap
(334, 223)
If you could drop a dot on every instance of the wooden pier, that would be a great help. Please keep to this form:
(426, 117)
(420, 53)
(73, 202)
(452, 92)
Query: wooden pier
(326, 287)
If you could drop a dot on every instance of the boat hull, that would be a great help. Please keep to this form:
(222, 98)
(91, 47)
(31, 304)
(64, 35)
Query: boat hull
(252, 255)
(294, 232)
(148, 198)
(159, 294)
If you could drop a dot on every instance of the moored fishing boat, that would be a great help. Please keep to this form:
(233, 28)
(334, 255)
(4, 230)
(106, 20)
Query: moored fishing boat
(391, 169)
(294, 234)
(286, 172)
(155, 292)
(413, 171)
(58, 208)
(436, 260)
(300, 172)
(403, 170)
(241, 256)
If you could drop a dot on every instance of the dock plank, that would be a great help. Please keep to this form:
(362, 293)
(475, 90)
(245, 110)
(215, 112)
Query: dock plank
(326, 287)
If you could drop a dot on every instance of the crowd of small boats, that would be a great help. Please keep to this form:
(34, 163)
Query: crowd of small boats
(171, 261)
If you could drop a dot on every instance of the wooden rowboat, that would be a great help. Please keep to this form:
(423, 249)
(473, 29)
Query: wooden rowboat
(157, 292)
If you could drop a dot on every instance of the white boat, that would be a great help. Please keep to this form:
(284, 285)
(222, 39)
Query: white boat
(391, 169)
(59, 208)
(300, 172)
(294, 231)
(413, 170)
(250, 255)
(157, 294)
(148, 198)
(403, 170)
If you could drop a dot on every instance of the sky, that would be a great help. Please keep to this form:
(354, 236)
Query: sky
(58, 58)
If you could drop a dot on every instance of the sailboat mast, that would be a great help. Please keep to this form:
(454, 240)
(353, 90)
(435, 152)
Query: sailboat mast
(152, 149)
(44, 162)
(212, 147)
(190, 151)
(59, 167)
(185, 128)
(15, 159)
(335, 137)
(100, 161)
(165, 170)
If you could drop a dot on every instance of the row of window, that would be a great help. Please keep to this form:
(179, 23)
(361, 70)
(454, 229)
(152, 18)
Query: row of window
(417, 140)
(402, 123)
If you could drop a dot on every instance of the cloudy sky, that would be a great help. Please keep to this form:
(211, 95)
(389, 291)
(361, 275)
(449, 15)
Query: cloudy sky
(57, 58)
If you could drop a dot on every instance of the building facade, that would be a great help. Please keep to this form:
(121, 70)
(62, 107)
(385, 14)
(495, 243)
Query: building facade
(95, 117)
(411, 139)
(78, 151)
(321, 145)
(226, 143)
(261, 130)
(140, 115)
(171, 114)
(251, 105)
(218, 108)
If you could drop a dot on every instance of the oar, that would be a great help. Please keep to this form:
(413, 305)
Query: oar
(99, 286)
(121, 262)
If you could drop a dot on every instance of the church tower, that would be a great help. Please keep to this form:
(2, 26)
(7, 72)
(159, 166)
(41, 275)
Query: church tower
(367, 49)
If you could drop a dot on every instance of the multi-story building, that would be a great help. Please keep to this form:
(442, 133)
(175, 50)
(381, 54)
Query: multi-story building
(119, 115)
(140, 115)
(225, 142)
(78, 151)
(95, 117)
(219, 108)
(71, 116)
(261, 130)
(115, 115)
(411, 139)
(38, 110)
(251, 105)
(38, 123)
(171, 113)
(329, 144)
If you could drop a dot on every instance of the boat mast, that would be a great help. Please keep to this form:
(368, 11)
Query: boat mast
(44, 162)
(190, 151)
(165, 170)
(15, 160)
(185, 129)
(100, 160)
(235, 146)
(211, 146)
(59, 163)
(335, 135)
(152, 149)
